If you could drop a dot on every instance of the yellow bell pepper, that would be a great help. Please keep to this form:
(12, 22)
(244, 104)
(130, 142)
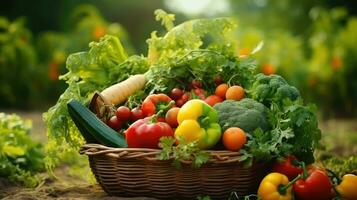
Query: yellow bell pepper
(198, 122)
(275, 186)
(348, 187)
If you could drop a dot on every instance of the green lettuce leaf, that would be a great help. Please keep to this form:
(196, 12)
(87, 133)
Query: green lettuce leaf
(211, 34)
(20, 156)
(105, 64)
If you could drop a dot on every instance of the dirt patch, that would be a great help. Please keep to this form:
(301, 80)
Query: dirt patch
(79, 192)
(65, 187)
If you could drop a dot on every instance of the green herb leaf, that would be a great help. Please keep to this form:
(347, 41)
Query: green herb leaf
(188, 152)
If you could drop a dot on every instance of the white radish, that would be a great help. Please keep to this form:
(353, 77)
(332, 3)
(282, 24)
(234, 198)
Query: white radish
(120, 92)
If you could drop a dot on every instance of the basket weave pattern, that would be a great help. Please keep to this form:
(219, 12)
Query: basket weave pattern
(137, 172)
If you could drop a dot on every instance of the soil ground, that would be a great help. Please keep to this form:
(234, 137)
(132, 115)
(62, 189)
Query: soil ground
(67, 186)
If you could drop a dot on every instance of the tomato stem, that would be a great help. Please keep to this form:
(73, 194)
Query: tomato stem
(296, 163)
(230, 79)
(305, 174)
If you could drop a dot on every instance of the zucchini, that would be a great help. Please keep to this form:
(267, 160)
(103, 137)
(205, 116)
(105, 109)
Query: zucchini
(92, 128)
(82, 129)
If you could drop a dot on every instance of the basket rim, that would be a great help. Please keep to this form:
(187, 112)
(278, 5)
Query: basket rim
(216, 156)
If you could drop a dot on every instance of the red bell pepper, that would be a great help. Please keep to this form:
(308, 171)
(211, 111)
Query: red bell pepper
(289, 166)
(156, 102)
(315, 184)
(146, 133)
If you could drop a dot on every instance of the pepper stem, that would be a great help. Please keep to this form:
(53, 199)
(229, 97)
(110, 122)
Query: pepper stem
(166, 107)
(204, 121)
(154, 117)
(282, 188)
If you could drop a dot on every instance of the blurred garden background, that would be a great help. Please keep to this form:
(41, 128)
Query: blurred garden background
(312, 43)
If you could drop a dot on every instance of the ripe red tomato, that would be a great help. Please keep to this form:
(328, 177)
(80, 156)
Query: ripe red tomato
(195, 84)
(200, 93)
(136, 113)
(218, 80)
(213, 99)
(185, 97)
(114, 123)
(171, 117)
(176, 93)
(123, 113)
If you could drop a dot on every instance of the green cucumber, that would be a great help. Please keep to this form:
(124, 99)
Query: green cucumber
(92, 128)
(81, 127)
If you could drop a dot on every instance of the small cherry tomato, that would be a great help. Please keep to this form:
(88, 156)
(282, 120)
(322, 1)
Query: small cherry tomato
(235, 92)
(213, 99)
(123, 113)
(176, 93)
(195, 84)
(114, 123)
(221, 90)
(171, 117)
(200, 93)
(136, 113)
(218, 80)
(185, 97)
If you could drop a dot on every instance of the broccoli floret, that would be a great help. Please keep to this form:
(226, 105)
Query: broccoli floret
(272, 88)
(246, 114)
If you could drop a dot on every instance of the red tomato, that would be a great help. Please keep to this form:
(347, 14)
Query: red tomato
(218, 80)
(176, 93)
(185, 97)
(180, 102)
(200, 93)
(288, 167)
(171, 117)
(123, 113)
(114, 123)
(213, 99)
(136, 113)
(195, 84)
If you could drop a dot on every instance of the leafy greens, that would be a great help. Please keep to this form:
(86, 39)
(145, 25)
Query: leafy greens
(103, 65)
(20, 156)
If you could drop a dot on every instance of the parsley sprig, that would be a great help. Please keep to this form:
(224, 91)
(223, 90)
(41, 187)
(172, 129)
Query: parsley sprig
(182, 152)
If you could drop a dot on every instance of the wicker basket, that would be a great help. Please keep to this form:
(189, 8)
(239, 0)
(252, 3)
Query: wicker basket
(137, 172)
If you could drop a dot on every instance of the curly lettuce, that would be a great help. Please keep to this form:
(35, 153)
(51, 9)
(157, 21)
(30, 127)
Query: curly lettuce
(210, 34)
(104, 64)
